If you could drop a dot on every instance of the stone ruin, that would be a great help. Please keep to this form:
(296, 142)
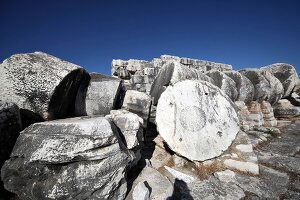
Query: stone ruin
(170, 128)
(140, 74)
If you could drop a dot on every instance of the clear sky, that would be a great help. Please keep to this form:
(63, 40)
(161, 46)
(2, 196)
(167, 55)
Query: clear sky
(90, 33)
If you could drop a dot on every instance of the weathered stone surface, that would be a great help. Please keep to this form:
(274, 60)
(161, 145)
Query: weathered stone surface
(244, 86)
(41, 84)
(256, 117)
(179, 175)
(267, 87)
(101, 96)
(287, 75)
(161, 187)
(10, 126)
(242, 157)
(276, 88)
(225, 83)
(171, 73)
(139, 103)
(186, 122)
(243, 113)
(141, 192)
(268, 114)
(242, 166)
(294, 98)
(76, 158)
(211, 188)
(297, 88)
(225, 176)
(284, 109)
(130, 125)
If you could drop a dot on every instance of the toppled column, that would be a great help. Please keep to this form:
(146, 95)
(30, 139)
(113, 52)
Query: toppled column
(225, 83)
(75, 158)
(244, 86)
(286, 74)
(266, 86)
(43, 86)
(100, 96)
(196, 119)
(171, 73)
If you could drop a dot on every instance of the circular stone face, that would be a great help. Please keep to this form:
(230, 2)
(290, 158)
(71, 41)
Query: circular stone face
(192, 118)
(196, 119)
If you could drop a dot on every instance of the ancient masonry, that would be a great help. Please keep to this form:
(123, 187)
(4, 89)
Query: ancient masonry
(140, 74)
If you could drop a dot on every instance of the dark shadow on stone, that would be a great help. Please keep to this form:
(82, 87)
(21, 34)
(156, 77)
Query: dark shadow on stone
(293, 101)
(146, 153)
(9, 132)
(148, 186)
(120, 96)
(167, 148)
(62, 103)
(181, 191)
(28, 117)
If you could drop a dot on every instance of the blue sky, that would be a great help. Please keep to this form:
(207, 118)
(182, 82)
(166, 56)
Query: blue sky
(91, 33)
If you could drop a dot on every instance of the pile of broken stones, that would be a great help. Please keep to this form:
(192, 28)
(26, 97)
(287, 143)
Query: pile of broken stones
(193, 134)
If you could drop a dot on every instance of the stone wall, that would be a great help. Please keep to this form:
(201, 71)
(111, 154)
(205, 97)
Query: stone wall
(139, 74)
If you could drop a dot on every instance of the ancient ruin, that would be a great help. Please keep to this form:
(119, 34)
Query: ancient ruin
(169, 128)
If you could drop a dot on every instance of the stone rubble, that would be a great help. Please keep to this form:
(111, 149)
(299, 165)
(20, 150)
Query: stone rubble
(70, 158)
(138, 103)
(268, 114)
(140, 74)
(256, 117)
(169, 128)
(284, 109)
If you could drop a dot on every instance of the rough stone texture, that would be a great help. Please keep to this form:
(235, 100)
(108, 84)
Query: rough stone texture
(267, 87)
(41, 84)
(276, 87)
(284, 109)
(225, 176)
(130, 125)
(186, 122)
(141, 192)
(139, 103)
(242, 157)
(286, 74)
(139, 74)
(225, 83)
(244, 86)
(256, 117)
(294, 98)
(171, 73)
(242, 166)
(10, 126)
(179, 175)
(297, 88)
(100, 97)
(243, 113)
(76, 158)
(161, 187)
(211, 188)
(268, 114)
